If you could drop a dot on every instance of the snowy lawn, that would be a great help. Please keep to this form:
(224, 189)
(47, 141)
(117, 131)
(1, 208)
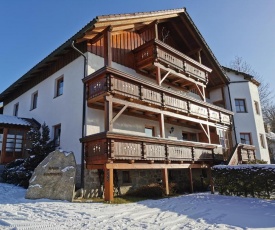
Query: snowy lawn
(195, 211)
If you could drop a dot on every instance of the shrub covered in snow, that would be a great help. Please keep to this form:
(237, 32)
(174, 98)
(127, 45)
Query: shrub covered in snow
(19, 172)
(245, 180)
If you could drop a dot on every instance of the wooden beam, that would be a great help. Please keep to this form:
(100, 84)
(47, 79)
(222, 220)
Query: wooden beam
(165, 182)
(161, 125)
(151, 166)
(108, 184)
(108, 47)
(119, 113)
(166, 75)
(159, 111)
(135, 20)
(147, 27)
(108, 113)
(100, 34)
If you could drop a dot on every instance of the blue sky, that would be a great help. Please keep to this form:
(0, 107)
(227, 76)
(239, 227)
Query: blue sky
(32, 29)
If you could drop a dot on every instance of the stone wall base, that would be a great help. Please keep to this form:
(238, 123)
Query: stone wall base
(139, 178)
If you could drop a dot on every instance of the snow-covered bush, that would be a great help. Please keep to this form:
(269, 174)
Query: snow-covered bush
(19, 171)
(245, 180)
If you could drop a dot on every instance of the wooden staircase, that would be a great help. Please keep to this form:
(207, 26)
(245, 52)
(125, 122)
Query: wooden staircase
(242, 154)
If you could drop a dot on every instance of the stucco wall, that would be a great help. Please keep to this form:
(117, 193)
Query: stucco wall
(249, 122)
(65, 109)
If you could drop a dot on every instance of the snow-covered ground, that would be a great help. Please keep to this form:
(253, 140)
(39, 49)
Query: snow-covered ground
(195, 211)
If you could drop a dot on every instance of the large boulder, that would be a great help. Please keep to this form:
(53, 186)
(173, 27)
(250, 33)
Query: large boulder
(54, 177)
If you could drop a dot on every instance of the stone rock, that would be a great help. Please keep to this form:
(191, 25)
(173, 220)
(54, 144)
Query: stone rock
(54, 177)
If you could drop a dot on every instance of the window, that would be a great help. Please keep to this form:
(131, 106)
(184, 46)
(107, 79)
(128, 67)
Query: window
(57, 133)
(256, 104)
(59, 86)
(34, 100)
(262, 140)
(240, 106)
(245, 138)
(15, 109)
(126, 177)
(189, 136)
(149, 131)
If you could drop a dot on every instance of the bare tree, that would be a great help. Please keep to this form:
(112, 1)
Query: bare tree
(265, 93)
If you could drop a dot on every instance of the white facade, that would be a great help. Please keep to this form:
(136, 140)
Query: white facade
(249, 121)
(65, 109)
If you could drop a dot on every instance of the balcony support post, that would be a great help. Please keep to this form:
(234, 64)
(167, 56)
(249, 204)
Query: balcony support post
(108, 113)
(108, 184)
(206, 132)
(191, 180)
(161, 125)
(165, 181)
(201, 91)
(158, 75)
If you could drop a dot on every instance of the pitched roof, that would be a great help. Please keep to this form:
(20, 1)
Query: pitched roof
(118, 22)
(13, 120)
(246, 76)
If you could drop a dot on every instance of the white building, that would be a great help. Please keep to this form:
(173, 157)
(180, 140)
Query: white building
(248, 120)
(151, 98)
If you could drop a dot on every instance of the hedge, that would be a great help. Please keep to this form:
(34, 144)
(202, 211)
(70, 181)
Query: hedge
(245, 180)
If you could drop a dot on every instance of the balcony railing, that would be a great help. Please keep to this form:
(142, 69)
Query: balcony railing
(156, 50)
(124, 85)
(242, 154)
(114, 146)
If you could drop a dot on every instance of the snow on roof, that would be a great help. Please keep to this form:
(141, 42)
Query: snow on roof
(12, 120)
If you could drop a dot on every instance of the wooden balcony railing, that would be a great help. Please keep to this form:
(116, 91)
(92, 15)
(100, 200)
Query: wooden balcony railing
(242, 154)
(114, 146)
(156, 50)
(124, 85)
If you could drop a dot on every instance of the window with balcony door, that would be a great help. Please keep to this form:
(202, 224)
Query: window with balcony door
(246, 138)
(240, 106)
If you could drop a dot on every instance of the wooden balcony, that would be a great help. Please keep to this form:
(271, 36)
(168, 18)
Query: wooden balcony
(183, 68)
(109, 146)
(242, 154)
(124, 86)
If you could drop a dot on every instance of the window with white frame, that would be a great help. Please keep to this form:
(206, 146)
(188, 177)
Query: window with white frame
(34, 100)
(59, 85)
(240, 106)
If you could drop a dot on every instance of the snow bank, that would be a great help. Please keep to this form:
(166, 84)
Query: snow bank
(196, 211)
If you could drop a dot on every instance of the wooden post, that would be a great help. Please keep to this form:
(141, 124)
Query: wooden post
(191, 180)
(158, 75)
(108, 47)
(156, 30)
(108, 114)
(161, 125)
(108, 184)
(165, 182)
(211, 180)
(4, 141)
